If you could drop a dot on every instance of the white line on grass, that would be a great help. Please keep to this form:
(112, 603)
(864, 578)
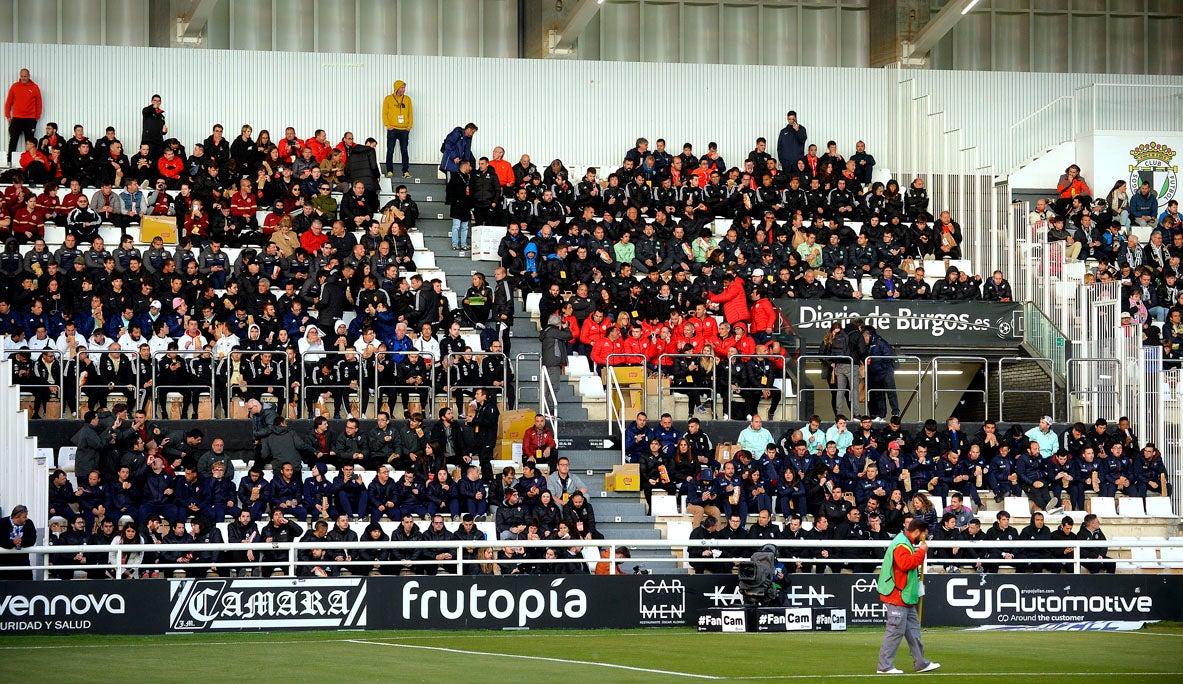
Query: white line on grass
(188, 644)
(965, 674)
(530, 657)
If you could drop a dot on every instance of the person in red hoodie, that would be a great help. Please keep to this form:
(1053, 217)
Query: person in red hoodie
(900, 587)
(22, 109)
(733, 298)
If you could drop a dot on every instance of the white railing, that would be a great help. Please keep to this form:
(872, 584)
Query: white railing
(1041, 130)
(681, 552)
(548, 403)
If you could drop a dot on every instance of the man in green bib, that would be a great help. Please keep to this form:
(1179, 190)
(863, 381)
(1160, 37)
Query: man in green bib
(900, 588)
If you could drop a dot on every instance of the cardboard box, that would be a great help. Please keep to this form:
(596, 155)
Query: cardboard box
(624, 478)
(163, 227)
(510, 451)
(512, 425)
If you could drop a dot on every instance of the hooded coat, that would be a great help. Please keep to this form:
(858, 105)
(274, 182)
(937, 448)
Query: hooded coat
(397, 110)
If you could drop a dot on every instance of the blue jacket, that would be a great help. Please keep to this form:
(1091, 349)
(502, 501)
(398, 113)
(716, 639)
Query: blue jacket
(315, 491)
(285, 491)
(456, 145)
(196, 492)
(1028, 469)
(154, 485)
(1143, 206)
(790, 146)
(633, 446)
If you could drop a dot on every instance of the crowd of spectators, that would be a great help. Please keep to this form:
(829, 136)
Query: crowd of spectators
(1105, 232)
(863, 483)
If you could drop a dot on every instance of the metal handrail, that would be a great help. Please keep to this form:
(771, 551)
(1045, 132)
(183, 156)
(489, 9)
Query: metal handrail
(661, 379)
(936, 381)
(912, 394)
(133, 399)
(429, 357)
(302, 393)
(519, 385)
(450, 365)
(1041, 361)
(458, 560)
(784, 373)
(548, 401)
(802, 389)
(614, 392)
(160, 354)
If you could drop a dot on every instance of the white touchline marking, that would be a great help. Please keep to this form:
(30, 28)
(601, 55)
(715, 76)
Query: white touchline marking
(181, 642)
(530, 657)
(962, 674)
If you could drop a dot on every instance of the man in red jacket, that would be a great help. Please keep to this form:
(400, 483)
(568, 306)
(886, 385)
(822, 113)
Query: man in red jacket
(538, 444)
(22, 108)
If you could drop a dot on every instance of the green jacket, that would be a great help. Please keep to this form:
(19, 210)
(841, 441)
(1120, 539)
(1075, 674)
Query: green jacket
(910, 592)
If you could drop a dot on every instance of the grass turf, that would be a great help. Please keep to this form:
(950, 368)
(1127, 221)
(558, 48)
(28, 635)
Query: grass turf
(1151, 655)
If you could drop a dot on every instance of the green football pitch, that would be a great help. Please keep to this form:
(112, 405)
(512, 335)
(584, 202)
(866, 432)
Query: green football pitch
(1151, 655)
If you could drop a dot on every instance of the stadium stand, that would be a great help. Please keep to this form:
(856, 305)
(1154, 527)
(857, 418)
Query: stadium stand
(148, 317)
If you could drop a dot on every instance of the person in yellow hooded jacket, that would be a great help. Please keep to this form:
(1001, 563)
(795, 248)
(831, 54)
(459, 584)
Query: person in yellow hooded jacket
(397, 117)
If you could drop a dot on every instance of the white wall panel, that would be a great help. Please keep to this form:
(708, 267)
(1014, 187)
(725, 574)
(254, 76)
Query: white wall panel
(984, 104)
(591, 122)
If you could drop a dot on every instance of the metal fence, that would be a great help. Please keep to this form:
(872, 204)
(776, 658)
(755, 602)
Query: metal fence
(285, 556)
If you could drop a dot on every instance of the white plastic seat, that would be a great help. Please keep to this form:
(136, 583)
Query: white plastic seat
(664, 506)
(1144, 557)
(1104, 506)
(472, 340)
(425, 259)
(1159, 507)
(678, 530)
(1131, 507)
(591, 387)
(66, 457)
(417, 241)
(578, 367)
(1019, 507)
(452, 300)
(1172, 557)
(533, 299)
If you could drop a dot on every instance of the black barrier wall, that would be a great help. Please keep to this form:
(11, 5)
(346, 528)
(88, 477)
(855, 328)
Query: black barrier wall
(912, 324)
(567, 602)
